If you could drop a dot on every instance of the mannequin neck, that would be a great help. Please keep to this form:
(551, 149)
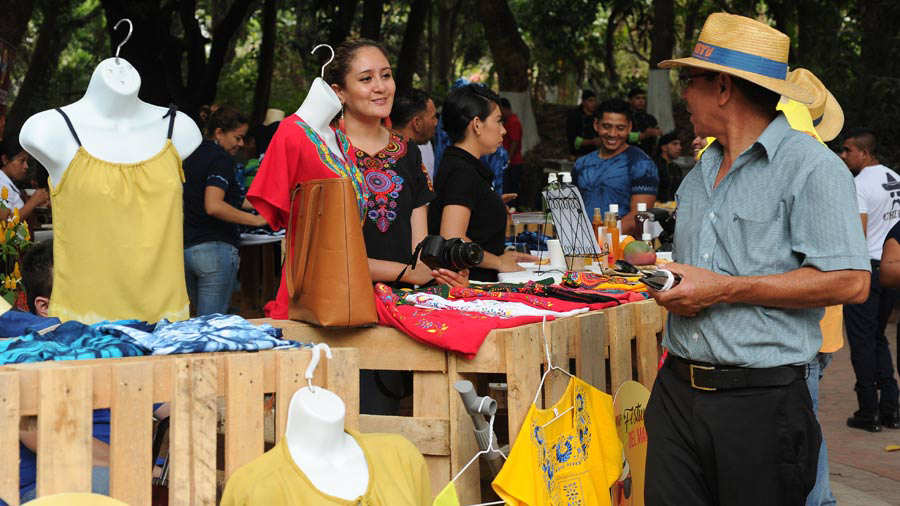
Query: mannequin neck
(113, 89)
(315, 424)
(320, 106)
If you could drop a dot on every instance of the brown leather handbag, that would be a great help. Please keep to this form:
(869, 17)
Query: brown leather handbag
(327, 267)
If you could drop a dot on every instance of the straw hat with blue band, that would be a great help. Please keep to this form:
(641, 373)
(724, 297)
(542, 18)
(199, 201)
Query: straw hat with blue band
(745, 48)
(827, 115)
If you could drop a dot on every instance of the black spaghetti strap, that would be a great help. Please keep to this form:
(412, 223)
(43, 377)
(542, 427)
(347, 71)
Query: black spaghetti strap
(171, 115)
(69, 124)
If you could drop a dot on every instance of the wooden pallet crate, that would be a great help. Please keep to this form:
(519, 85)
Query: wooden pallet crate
(608, 347)
(62, 395)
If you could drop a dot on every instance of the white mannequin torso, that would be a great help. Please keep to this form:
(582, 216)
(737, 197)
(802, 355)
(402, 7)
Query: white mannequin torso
(112, 123)
(317, 110)
(329, 457)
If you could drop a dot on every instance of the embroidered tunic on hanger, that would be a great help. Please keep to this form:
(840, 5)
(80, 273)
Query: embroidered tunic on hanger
(297, 154)
(572, 460)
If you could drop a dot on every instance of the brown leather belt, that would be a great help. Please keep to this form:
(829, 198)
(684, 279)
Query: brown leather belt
(710, 377)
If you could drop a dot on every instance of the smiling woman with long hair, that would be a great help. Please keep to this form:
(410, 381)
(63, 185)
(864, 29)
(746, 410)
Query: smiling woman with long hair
(399, 189)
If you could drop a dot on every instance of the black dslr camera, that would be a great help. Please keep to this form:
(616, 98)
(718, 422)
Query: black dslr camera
(453, 254)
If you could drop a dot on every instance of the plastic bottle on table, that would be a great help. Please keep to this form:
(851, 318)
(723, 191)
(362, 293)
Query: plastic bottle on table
(641, 217)
(611, 222)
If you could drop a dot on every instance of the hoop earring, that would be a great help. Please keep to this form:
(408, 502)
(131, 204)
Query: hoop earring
(341, 120)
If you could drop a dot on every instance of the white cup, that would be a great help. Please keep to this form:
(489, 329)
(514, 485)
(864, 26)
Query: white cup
(557, 259)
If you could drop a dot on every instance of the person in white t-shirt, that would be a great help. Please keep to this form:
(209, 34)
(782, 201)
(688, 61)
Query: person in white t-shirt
(878, 198)
(14, 162)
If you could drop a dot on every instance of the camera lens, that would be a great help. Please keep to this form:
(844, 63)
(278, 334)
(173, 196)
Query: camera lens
(463, 255)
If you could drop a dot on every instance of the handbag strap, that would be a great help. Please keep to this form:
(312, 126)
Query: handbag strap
(298, 262)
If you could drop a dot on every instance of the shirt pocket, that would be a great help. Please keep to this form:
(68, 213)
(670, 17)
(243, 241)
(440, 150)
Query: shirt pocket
(756, 242)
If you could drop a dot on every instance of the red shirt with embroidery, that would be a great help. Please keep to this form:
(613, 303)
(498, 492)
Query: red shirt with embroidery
(297, 154)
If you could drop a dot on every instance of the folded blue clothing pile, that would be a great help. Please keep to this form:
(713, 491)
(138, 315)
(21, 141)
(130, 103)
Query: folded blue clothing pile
(215, 332)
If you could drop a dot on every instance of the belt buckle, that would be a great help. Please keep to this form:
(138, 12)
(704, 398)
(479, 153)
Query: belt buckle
(705, 368)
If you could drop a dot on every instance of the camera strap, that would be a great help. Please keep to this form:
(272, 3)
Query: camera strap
(411, 263)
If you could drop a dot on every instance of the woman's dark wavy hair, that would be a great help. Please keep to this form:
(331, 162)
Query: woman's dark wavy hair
(336, 72)
(465, 104)
(227, 118)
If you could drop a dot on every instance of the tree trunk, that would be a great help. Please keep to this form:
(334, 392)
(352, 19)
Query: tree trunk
(448, 12)
(659, 96)
(346, 11)
(55, 33)
(265, 62)
(511, 55)
(663, 34)
(408, 59)
(14, 22)
(145, 49)
(690, 24)
(371, 21)
(612, 24)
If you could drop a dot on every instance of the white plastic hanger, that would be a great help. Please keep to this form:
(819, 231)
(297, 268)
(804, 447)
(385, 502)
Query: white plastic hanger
(329, 60)
(314, 362)
(550, 368)
(127, 36)
(489, 449)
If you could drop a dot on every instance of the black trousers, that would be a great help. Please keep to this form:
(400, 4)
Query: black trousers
(750, 446)
(869, 351)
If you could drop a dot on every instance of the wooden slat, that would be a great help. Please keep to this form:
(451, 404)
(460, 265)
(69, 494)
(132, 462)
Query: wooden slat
(491, 356)
(523, 354)
(559, 332)
(290, 366)
(395, 350)
(131, 433)
(64, 431)
(647, 322)
(192, 442)
(431, 398)
(102, 374)
(243, 410)
(462, 442)
(9, 438)
(591, 343)
(342, 378)
(430, 435)
(621, 331)
(180, 434)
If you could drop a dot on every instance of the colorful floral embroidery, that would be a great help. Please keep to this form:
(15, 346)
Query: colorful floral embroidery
(382, 182)
(343, 168)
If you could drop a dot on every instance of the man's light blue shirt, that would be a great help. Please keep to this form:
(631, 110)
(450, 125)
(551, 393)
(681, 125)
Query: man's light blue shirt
(787, 202)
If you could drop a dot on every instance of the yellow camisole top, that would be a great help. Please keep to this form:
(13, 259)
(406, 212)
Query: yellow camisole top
(118, 238)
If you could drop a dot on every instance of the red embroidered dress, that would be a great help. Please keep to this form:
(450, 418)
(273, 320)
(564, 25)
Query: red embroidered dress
(297, 154)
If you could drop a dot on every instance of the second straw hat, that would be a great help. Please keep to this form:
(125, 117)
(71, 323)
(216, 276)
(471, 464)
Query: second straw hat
(827, 115)
(744, 48)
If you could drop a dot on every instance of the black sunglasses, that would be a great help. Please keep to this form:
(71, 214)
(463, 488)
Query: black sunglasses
(686, 79)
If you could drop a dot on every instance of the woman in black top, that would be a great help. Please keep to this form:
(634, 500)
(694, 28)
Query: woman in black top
(398, 186)
(467, 205)
(212, 213)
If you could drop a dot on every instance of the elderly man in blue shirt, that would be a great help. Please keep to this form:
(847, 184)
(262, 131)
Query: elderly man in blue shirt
(767, 235)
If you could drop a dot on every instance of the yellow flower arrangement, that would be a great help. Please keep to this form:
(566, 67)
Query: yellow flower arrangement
(15, 239)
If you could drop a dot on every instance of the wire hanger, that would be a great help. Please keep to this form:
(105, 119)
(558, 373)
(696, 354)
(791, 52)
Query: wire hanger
(489, 449)
(314, 362)
(127, 36)
(329, 60)
(550, 368)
